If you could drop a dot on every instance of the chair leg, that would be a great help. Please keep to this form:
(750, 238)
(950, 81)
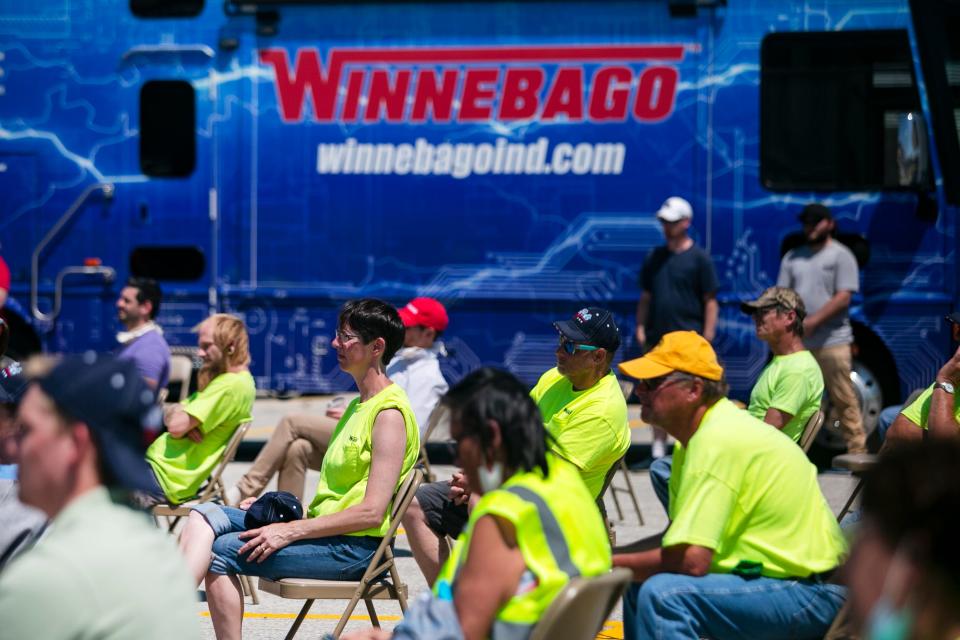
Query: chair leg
(853, 496)
(349, 610)
(612, 490)
(633, 494)
(246, 583)
(373, 612)
(299, 620)
(395, 579)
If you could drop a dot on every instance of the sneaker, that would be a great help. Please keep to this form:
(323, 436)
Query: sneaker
(658, 450)
(232, 496)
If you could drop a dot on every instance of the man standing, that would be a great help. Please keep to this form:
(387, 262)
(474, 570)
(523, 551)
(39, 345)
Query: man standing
(107, 568)
(142, 339)
(584, 413)
(679, 287)
(824, 273)
(751, 543)
(300, 440)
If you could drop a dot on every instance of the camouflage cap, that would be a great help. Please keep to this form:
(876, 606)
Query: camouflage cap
(782, 297)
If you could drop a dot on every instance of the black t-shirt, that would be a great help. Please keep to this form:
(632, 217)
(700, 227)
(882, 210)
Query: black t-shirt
(677, 283)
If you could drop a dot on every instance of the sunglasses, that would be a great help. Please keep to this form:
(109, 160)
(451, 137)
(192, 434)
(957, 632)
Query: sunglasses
(570, 347)
(650, 385)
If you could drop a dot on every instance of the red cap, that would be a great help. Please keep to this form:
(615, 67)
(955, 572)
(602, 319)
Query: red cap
(425, 312)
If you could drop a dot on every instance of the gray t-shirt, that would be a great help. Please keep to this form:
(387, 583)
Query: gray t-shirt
(817, 277)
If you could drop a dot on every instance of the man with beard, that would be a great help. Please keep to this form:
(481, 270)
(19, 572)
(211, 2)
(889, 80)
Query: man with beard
(198, 430)
(142, 338)
(824, 273)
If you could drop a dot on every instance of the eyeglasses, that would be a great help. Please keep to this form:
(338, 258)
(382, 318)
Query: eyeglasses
(570, 347)
(650, 385)
(343, 337)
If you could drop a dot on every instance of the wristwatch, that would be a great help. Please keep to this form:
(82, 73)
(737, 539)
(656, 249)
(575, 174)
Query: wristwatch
(946, 386)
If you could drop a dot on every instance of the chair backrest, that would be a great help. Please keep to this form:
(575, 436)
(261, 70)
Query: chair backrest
(181, 369)
(811, 429)
(580, 609)
(401, 500)
(439, 413)
(213, 486)
(626, 386)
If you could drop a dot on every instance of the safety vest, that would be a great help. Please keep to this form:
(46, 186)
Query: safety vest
(560, 535)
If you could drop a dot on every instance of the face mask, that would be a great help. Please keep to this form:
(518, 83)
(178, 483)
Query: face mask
(490, 479)
(887, 623)
(884, 621)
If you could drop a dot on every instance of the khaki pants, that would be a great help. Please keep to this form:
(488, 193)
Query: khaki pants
(836, 363)
(297, 444)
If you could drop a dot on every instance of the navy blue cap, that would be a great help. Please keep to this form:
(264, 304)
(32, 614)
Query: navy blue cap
(593, 326)
(13, 384)
(118, 407)
(814, 213)
(273, 506)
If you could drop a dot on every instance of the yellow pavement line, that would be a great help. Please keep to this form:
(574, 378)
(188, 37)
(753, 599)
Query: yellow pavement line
(310, 616)
(612, 629)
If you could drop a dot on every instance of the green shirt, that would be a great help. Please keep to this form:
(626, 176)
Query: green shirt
(102, 571)
(182, 465)
(588, 428)
(346, 465)
(748, 493)
(793, 384)
(919, 410)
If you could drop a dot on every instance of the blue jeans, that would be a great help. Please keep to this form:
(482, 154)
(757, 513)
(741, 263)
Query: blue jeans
(672, 606)
(660, 470)
(887, 416)
(331, 558)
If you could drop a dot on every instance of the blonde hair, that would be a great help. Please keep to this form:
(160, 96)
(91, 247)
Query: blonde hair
(230, 338)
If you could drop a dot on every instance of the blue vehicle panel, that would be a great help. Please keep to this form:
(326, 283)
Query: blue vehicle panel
(506, 158)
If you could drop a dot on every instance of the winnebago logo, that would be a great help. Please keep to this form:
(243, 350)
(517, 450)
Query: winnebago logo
(473, 84)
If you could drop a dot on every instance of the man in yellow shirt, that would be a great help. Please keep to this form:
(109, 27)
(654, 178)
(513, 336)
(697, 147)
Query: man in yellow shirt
(585, 415)
(751, 543)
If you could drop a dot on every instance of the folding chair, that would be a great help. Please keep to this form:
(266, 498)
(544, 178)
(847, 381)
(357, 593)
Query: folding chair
(438, 414)
(811, 429)
(213, 489)
(857, 463)
(582, 606)
(621, 465)
(372, 586)
(181, 370)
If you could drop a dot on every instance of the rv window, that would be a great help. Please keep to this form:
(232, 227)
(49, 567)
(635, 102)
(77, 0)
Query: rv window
(167, 129)
(166, 8)
(830, 104)
(168, 263)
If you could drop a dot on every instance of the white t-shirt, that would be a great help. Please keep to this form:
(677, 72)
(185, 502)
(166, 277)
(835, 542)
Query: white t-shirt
(417, 371)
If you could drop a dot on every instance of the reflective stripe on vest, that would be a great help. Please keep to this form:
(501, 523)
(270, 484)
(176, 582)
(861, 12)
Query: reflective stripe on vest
(551, 530)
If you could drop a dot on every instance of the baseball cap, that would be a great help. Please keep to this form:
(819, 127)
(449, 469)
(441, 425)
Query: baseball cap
(675, 208)
(814, 213)
(953, 318)
(776, 296)
(273, 506)
(593, 326)
(425, 312)
(12, 384)
(118, 408)
(685, 351)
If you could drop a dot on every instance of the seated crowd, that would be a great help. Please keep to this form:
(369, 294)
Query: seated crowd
(751, 548)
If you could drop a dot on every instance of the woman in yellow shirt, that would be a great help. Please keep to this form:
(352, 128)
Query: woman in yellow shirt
(372, 450)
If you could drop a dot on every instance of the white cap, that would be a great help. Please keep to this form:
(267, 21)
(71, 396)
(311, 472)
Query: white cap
(674, 209)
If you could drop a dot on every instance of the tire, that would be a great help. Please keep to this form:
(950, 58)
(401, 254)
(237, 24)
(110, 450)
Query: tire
(870, 392)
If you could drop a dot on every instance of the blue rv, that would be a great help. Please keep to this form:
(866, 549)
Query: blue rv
(273, 159)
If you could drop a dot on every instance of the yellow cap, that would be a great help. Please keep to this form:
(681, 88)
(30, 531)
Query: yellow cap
(685, 351)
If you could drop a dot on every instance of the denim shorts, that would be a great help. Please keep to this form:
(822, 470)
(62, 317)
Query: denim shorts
(443, 516)
(331, 558)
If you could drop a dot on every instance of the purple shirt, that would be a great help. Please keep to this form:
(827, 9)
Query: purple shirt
(151, 354)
